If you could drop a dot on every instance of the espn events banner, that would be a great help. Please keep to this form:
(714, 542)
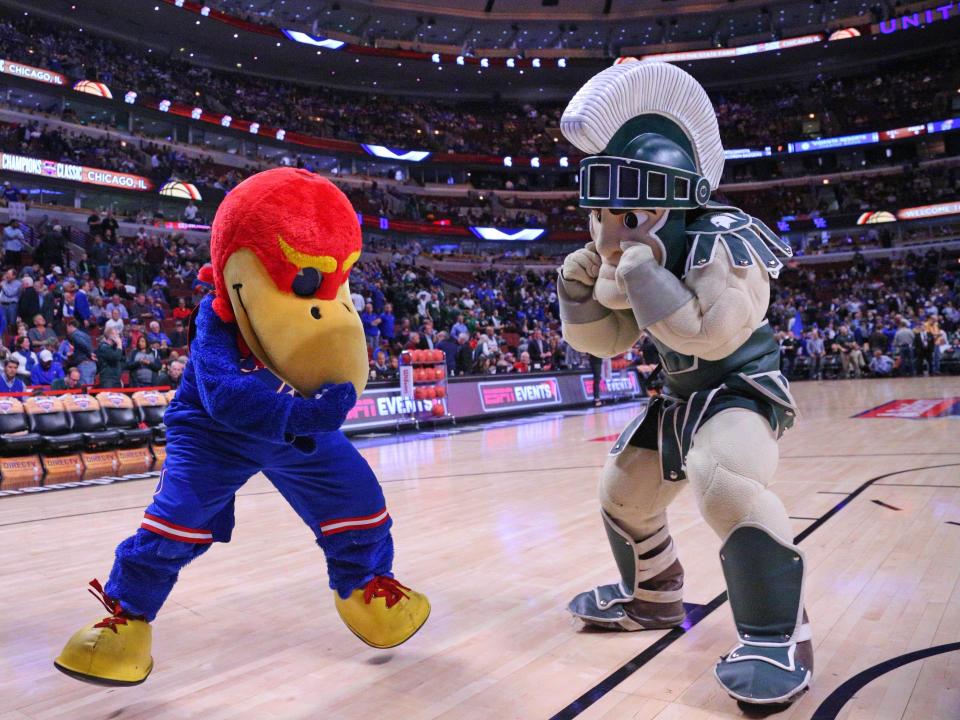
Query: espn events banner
(73, 173)
(29, 72)
(477, 397)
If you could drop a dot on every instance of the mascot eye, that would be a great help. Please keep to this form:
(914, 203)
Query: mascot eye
(631, 220)
(307, 282)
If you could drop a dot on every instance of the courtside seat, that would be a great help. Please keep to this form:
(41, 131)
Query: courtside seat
(121, 415)
(49, 418)
(88, 420)
(15, 435)
(151, 405)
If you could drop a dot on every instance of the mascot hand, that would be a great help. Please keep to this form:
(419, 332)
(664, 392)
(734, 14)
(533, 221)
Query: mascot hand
(325, 411)
(580, 269)
(633, 256)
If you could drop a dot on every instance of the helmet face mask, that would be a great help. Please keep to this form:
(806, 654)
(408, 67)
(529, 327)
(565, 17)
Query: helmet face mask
(609, 181)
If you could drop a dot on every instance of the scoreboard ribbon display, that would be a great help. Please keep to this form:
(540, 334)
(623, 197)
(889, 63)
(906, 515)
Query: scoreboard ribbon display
(73, 173)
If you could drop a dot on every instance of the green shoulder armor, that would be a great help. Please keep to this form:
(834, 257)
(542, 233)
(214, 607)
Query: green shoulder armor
(746, 239)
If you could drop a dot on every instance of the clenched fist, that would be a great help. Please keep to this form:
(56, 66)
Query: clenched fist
(633, 255)
(582, 265)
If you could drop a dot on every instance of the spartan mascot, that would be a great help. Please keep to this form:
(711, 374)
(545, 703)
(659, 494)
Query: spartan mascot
(696, 276)
(277, 360)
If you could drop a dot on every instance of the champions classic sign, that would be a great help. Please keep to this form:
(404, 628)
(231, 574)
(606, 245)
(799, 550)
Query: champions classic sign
(73, 173)
(29, 72)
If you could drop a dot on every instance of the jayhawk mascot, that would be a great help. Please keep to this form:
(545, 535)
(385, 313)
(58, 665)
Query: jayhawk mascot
(277, 360)
(696, 276)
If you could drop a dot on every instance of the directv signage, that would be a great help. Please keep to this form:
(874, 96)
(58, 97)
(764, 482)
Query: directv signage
(73, 173)
(381, 151)
(315, 40)
(32, 73)
(508, 234)
(833, 143)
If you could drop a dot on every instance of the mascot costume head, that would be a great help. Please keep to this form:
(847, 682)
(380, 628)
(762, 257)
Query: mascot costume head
(653, 156)
(282, 246)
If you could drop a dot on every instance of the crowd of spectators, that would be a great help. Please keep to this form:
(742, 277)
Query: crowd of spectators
(870, 318)
(890, 95)
(910, 186)
(116, 314)
(113, 316)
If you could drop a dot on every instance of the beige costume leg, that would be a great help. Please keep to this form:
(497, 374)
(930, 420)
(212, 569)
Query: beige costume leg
(733, 458)
(633, 501)
(731, 463)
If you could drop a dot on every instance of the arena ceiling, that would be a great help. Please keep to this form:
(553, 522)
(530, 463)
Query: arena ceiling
(605, 26)
(162, 27)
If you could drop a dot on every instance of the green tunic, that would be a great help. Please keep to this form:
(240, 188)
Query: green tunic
(748, 378)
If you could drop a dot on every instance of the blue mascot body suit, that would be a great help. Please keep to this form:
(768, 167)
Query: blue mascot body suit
(276, 361)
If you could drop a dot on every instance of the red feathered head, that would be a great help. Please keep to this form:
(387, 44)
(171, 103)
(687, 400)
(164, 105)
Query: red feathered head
(300, 226)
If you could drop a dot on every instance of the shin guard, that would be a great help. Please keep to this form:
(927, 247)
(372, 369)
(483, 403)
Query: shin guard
(773, 660)
(649, 594)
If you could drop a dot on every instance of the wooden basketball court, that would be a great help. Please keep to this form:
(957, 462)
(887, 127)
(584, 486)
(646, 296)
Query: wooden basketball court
(500, 527)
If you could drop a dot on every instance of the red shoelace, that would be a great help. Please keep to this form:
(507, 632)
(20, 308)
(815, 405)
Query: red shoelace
(113, 607)
(385, 587)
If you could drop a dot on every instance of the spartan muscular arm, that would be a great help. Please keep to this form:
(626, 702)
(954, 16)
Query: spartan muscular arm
(709, 314)
(587, 325)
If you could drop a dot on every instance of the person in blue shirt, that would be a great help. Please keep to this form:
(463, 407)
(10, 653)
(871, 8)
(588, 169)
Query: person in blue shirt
(387, 322)
(46, 371)
(155, 334)
(9, 382)
(371, 325)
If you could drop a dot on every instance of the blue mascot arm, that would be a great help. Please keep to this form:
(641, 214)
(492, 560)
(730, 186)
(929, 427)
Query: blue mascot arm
(242, 402)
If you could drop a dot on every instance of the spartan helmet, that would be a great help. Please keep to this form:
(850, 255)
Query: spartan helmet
(654, 153)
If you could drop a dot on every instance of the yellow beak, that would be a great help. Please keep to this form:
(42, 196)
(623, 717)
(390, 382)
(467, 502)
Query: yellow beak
(305, 341)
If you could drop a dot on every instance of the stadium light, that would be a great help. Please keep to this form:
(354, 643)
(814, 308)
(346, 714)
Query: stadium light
(508, 161)
(561, 62)
(484, 62)
(535, 162)
(381, 151)
(511, 63)
(226, 120)
(130, 98)
(196, 113)
(435, 57)
(281, 134)
(315, 40)
(164, 106)
(205, 11)
(254, 128)
(564, 161)
(507, 234)
(536, 62)
(460, 60)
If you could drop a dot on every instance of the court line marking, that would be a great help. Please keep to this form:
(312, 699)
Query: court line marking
(831, 706)
(595, 693)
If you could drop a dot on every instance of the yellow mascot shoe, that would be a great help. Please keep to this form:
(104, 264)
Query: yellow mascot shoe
(113, 651)
(384, 613)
